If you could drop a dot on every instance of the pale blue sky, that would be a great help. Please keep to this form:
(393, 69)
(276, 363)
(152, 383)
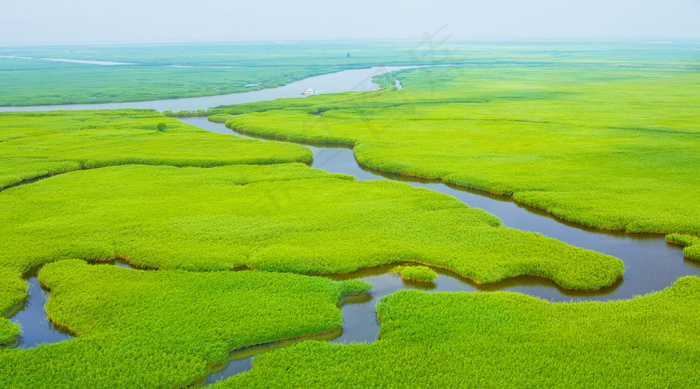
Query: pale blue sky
(90, 21)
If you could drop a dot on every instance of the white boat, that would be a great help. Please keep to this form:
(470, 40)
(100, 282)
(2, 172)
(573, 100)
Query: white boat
(308, 91)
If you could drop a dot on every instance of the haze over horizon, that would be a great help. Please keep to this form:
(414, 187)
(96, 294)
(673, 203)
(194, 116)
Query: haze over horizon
(35, 22)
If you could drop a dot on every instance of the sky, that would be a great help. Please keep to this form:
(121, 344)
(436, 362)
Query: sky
(29, 22)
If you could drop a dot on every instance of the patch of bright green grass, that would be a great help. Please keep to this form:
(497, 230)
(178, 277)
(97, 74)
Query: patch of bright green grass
(138, 329)
(691, 243)
(605, 146)
(43, 143)
(220, 118)
(12, 290)
(500, 340)
(275, 218)
(416, 273)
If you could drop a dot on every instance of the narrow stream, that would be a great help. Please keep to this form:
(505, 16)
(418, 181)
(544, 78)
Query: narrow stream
(36, 327)
(651, 263)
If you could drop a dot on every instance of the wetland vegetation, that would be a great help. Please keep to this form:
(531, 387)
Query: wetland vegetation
(496, 340)
(237, 242)
(609, 147)
(12, 291)
(274, 218)
(139, 328)
(691, 244)
(151, 72)
(416, 273)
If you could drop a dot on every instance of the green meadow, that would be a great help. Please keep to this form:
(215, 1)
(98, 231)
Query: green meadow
(37, 144)
(138, 328)
(610, 147)
(285, 217)
(416, 273)
(12, 291)
(500, 340)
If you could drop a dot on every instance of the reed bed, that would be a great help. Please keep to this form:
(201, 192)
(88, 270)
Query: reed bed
(503, 339)
(274, 218)
(610, 147)
(40, 144)
(691, 243)
(165, 328)
(416, 273)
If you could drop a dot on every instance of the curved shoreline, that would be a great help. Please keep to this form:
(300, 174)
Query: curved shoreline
(651, 263)
(290, 90)
(440, 180)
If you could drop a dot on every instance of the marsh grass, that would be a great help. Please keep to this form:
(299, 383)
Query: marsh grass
(220, 68)
(416, 273)
(607, 147)
(691, 244)
(41, 144)
(32, 82)
(12, 291)
(275, 218)
(496, 340)
(165, 328)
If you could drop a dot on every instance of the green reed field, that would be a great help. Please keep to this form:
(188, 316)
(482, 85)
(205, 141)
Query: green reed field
(259, 213)
(34, 82)
(611, 147)
(167, 329)
(691, 243)
(276, 218)
(498, 340)
(416, 273)
(12, 292)
(36, 144)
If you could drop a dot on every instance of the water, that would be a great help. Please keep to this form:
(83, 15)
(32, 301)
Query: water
(36, 327)
(358, 80)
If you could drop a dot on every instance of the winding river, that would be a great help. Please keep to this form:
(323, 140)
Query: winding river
(651, 263)
(356, 80)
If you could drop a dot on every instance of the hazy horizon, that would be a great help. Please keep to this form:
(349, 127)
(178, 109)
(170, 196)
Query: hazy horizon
(133, 22)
